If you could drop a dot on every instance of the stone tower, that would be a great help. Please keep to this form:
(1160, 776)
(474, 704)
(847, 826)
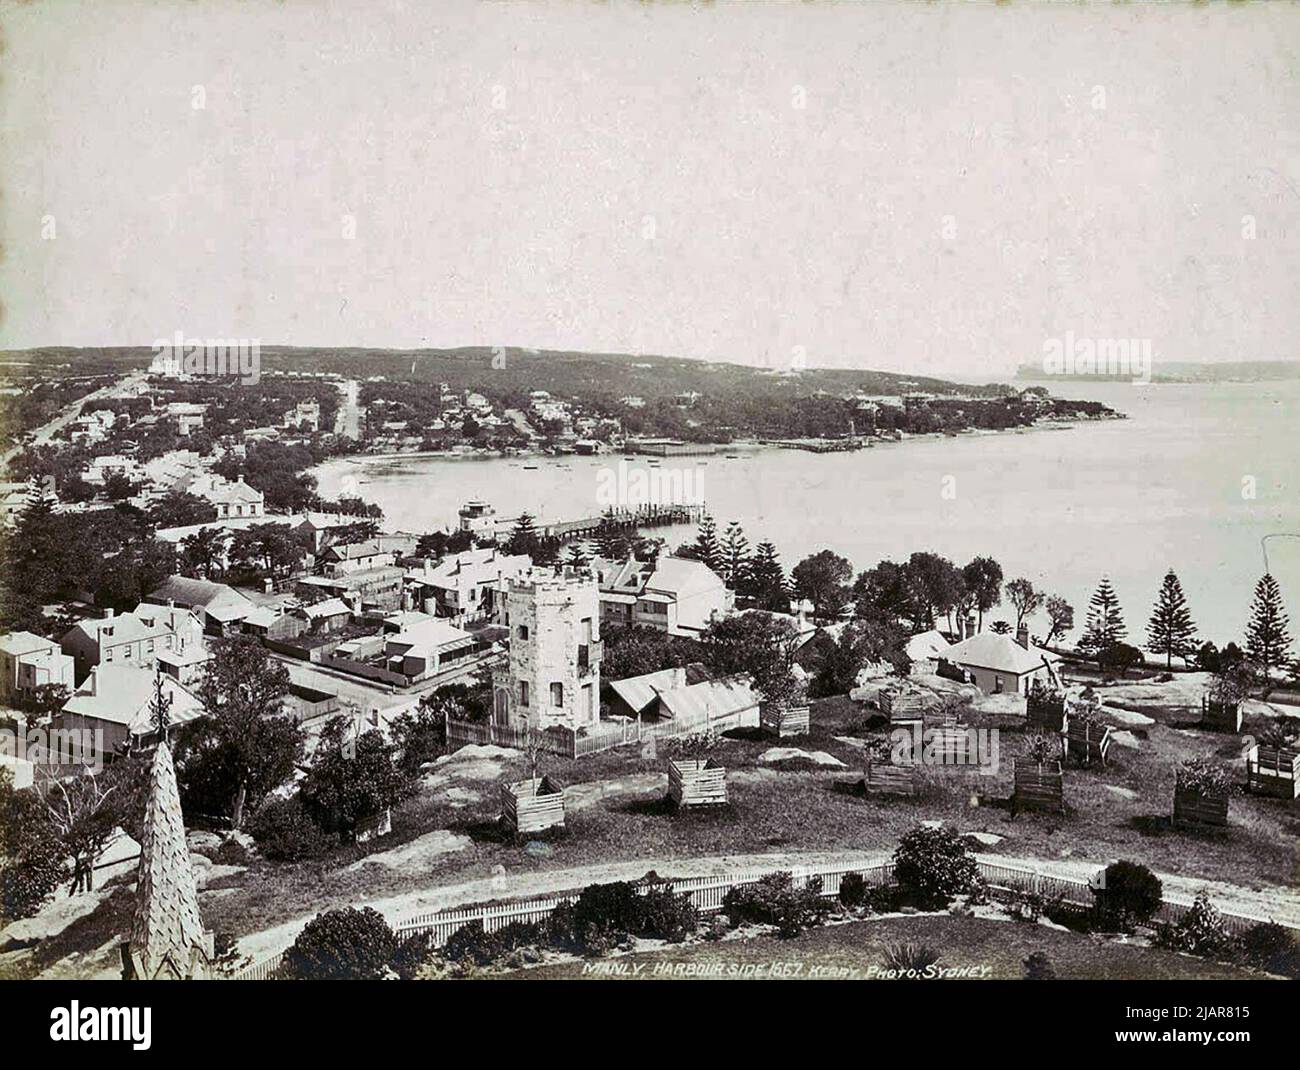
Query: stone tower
(167, 940)
(553, 675)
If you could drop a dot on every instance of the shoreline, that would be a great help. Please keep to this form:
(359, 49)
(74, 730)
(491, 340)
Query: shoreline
(743, 445)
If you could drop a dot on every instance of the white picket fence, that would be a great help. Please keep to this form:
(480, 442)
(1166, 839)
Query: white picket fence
(708, 893)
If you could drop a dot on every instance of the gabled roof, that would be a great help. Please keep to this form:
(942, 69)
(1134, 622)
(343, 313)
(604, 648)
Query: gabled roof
(471, 567)
(999, 653)
(121, 694)
(640, 692)
(330, 607)
(709, 700)
(188, 592)
(681, 576)
(122, 628)
(19, 643)
(929, 644)
(431, 634)
(353, 551)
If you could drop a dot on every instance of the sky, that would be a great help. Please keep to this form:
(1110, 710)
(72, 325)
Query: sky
(932, 188)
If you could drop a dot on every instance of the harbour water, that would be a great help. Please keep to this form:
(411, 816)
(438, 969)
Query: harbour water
(1193, 479)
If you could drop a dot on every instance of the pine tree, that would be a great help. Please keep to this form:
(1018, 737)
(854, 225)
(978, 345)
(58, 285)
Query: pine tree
(1267, 638)
(766, 579)
(611, 541)
(734, 555)
(577, 555)
(1171, 629)
(523, 539)
(706, 546)
(1105, 625)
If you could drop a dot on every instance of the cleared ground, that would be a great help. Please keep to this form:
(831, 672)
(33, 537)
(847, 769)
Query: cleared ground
(976, 947)
(445, 839)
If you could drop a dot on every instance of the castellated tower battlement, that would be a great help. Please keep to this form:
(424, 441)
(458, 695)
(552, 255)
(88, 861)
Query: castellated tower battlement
(553, 673)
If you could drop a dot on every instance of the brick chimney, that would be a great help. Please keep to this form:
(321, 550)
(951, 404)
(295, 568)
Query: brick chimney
(1022, 636)
(969, 628)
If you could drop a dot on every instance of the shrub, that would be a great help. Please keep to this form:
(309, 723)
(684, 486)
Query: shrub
(666, 915)
(1026, 905)
(29, 880)
(607, 915)
(285, 832)
(339, 945)
(1272, 948)
(1038, 967)
(933, 865)
(411, 954)
(231, 853)
(472, 946)
(1130, 893)
(909, 959)
(1060, 911)
(1200, 931)
(853, 890)
(774, 900)
(1202, 777)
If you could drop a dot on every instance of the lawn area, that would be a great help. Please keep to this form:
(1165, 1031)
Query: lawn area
(447, 833)
(853, 949)
(615, 813)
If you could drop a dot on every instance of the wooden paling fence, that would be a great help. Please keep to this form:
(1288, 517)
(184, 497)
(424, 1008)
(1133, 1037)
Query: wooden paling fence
(569, 744)
(783, 721)
(707, 894)
(1038, 786)
(1222, 716)
(694, 782)
(1087, 741)
(1273, 771)
(1196, 808)
(881, 778)
(532, 807)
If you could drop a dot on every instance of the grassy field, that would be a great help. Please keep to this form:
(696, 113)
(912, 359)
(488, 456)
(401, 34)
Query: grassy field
(1121, 811)
(616, 813)
(976, 947)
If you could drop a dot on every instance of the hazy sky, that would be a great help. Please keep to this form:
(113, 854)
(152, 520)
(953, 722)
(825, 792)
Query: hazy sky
(960, 183)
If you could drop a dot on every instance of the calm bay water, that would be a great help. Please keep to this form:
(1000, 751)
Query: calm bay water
(1127, 497)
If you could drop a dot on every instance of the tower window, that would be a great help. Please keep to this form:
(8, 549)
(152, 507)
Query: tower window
(557, 694)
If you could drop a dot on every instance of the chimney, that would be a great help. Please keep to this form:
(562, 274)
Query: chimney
(1022, 636)
(970, 627)
(108, 614)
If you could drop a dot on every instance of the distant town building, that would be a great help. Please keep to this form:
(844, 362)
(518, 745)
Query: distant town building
(304, 414)
(115, 700)
(553, 672)
(479, 519)
(341, 559)
(135, 638)
(235, 499)
(188, 416)
(466, 587)
(30, 661)
(220, 608)
(998, 663)
(672, 595)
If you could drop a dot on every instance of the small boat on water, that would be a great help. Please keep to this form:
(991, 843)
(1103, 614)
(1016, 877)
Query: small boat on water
(530, 468)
